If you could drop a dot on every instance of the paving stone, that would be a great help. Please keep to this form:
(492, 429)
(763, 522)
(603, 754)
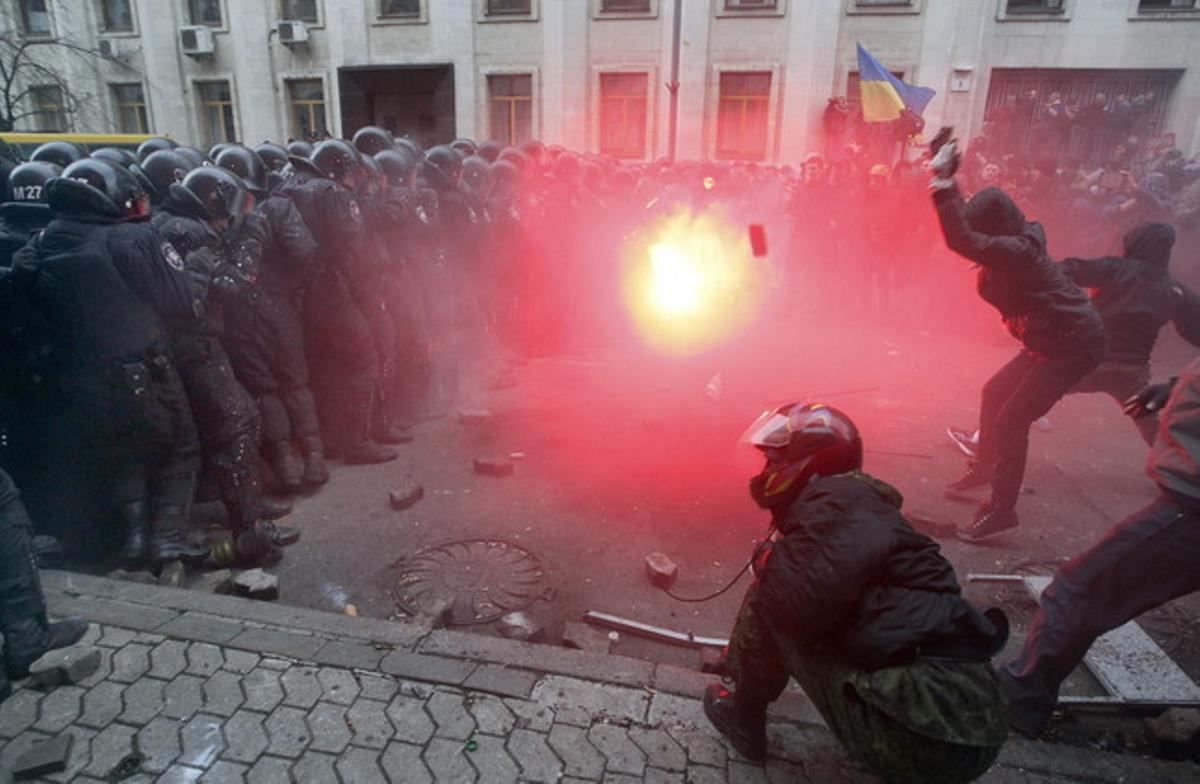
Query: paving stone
(202, 628)
(59, 709)
(172, 575)
(280, 643)
(622, 754)
(256, 584)
(537, 760)
(420, 691)
(661, 750)
(492, 762)
(377, 687)
(617, 703)
(314, 768)
(671, 711)
(330, 732)
(783, 772)
(430, 669)
(360, 766)
(202, 742)
(491, 715)
(22, 743)
(65, 665)
(81, 748)
(746, 773)
(219, 581)
(338, 686)
(103, 670)
(621, 778)
(149, 638)
(130, 663)
(574, 717)
(101, 706)
(300, 687)
(244, 737)
(269, 770)
(404, 496)
(660, 776)
(143, 701)
(530, 715)
(585, 637)
(412, 723)
(681, 681)
(92, 635)
(223, 693)
(19, 712)
(402, 762)
(224, 772)
(180, 774)
(502, 680)
(447, 760)
(353, 655)
(288, 735)
(41, 759)
(168, 659)
(276, 663)
(701, 774)
(159, 743)
(450, 714)
(580, 758)
(204, 659)
(369, 722)
(241, 662)
(109, 747)
(115, 636)
(521, 625)
(182, 697)
(262, 689)
(702, 748)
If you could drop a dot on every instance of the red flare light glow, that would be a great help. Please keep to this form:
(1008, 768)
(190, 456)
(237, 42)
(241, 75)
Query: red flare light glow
(691, 283)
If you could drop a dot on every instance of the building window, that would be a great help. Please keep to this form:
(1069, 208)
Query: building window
(49, 108)
(116, 16)
(1034, 6)
(400, 9)
(205, 12)
(877, 3)
(299, 10)
(216, 112)
(625, 6)
(1166, 5)
(623, 100)
(509, 7)
(742, 115)
(307, 97)
(130, 101)
(35, 18)
(751, 5)
(510, 99)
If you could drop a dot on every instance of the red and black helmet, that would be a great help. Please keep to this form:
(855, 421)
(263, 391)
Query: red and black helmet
(800, 441)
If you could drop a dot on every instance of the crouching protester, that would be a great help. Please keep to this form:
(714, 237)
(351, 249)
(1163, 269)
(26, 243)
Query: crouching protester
(862, 611)
(1142, 562)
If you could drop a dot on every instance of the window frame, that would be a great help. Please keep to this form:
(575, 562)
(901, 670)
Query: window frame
(36, 107)
(201, 105)
(289, 105)
(375, 14)
(484, 103)
(22, 28)
(118, 104)
(1136, 14)
(1062, 15)
(886, 8)
(774, 94)
(221, 28)
(723, 10)
(318, 4)
(599, 13)
(484, 17)
(133, 32)
(648, 127)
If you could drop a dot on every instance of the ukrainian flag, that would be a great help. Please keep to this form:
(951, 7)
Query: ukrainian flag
(883, 95)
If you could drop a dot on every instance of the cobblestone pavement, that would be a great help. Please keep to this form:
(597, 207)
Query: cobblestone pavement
(270, 704)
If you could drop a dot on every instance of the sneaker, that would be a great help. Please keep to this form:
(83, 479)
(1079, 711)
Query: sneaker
(966, 440)
(721, 709)
(974, 478)
(989, 523)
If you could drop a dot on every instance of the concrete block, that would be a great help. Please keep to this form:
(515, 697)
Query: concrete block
(431, 669)
(220, 581)
(661, 570)
(49, 756)
(172, 574)
(257, 584)
(493, 466)
(65, 665)
(521, 626)
(405, 496)
(586, 638)
(502, 680)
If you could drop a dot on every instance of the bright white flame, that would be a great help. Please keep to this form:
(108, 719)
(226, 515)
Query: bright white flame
(677, 281)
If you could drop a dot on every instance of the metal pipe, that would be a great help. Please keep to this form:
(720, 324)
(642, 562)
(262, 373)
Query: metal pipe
(606, 621)
(673, 85)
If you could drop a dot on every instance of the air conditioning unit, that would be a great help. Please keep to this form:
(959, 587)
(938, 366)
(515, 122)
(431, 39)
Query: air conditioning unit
(292, 33)
(197, 41)
(109, 48)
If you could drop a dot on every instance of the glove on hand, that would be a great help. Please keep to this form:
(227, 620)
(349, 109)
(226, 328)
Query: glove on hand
(945, 163)
(1150, 400)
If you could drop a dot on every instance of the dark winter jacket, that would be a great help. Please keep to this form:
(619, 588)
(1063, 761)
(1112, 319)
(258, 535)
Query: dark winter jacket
(849, 570)
(19, 220)
(182, 221)
(1174, 462)
(1040, 305)
(1136, 296)
(273, 246)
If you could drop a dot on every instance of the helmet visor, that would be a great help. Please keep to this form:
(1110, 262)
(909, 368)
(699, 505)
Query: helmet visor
(769, 431)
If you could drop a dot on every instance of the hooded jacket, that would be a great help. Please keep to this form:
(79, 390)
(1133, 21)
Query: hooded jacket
(849, 570)
(1136, 296)
(1174, 461)
(1040, 305)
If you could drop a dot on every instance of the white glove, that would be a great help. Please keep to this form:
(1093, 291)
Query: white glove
(946, 162)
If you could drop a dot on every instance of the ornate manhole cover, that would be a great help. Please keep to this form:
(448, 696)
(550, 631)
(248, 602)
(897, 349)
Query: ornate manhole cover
(479, 579)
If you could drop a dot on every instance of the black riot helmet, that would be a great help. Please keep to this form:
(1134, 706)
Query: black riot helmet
(193, 156)
(338, 161)
(273, 156)
(372, 140)
(516, 158)
(800, 441)
(222, 194)
(116, 156)
(464, 147)
(506, 178)
(159, 171)
(442, 168)
(490, 150)
(300, 149)
(399, 166)
(217, 149)
(59, 153)
(374, 179)
(246, 164)
(103, 185)
(27, 182)
(151, 146)
(405, 143)
(535, 150)
(477, 174)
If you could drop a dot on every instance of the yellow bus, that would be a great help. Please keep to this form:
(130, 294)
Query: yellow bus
(26, 143)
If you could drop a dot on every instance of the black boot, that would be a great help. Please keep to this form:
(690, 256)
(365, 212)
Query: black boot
(5, 686)
(361, 450)
(135, 524)
(744, 724)
(315, 471)
(28, 640)
(270, 509)
(168, 537)
(286, 465)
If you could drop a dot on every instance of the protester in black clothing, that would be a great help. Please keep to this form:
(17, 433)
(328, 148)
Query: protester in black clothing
(1061, 333)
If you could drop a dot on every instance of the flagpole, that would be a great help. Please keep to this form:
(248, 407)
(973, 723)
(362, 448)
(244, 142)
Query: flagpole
(673, 85)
